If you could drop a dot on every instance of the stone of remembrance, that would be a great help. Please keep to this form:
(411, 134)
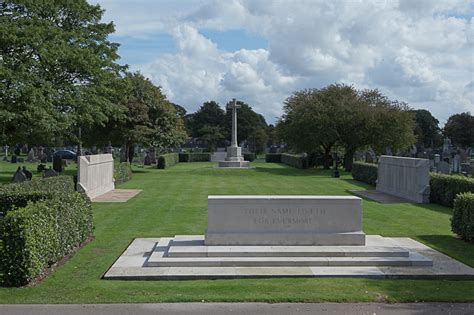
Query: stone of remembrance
(95, 174)
(284, 220)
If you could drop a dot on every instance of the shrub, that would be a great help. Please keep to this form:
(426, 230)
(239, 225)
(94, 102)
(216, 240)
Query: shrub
(184, 157)
(298, 161)
(167, 160)
(19, 194)
(122, 172)
(365, 172)
(462, 222)
(273, 157)
(444, 188)
(249, 157)
(40, 234)
(195, 157)
(40, 168)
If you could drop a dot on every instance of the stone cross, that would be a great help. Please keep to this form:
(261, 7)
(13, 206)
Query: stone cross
(234, 107)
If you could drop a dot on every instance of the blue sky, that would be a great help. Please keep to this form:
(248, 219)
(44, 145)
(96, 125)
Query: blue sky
(260, 51)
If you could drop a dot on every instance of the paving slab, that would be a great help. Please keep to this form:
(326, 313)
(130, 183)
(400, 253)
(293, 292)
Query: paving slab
(134, 264)
(117, 195)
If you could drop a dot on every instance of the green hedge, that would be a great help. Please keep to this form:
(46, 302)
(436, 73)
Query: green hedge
(444, 188)
(195, 157)
(249, 157)
(298, 161)
(122, 172)
(37, 189)
(462, 222)
(273, 157)
(167, 160)
(40, 234)
(365, 172)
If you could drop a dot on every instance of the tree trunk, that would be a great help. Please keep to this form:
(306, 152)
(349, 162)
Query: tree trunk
(349, 159)
(327, 156)
(131, 152)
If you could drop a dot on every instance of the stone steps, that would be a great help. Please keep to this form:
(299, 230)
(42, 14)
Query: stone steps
(412, 260)
(285, 251)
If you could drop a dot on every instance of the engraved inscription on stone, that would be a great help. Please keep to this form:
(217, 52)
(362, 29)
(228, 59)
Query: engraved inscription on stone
(283, 216)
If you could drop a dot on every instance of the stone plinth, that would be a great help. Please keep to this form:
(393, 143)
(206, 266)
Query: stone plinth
(284, 220)
(408, 178)
(95, 174)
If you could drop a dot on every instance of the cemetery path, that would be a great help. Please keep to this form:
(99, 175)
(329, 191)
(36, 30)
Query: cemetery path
(240, 308)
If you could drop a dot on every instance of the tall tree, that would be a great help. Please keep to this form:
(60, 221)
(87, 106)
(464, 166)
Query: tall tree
(57, 69)
(318, 119)
(147, 118)
(460, 129)
(427, 131)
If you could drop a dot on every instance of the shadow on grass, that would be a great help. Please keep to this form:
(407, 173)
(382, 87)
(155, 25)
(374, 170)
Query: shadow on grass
(285, 170)
(457, 248)
(358, 184)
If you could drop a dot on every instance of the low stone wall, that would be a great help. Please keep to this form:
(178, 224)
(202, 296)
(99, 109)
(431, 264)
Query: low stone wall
(408, 178)
(95, 174)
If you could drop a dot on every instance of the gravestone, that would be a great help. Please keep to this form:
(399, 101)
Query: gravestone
(284, 220)
(31, 156)
(147, 160)
(456, 163)
(49, 155)
(444, 168)
(41, 155)
(24, 149)
(13, 159)
(49, 173)
(408, 178)
(5, 150)
(27, 173)
(465, 168)
(234, 157)
(19, 176)
(152, 153)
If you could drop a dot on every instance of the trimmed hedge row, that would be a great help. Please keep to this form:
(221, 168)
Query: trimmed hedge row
(298, 161)
(195, 157)
(37, 189)
(273, 157)
(462, 222)
(167, 160)
(365, 172)
(40, 234)
(444, 188)
(249, 157)
(122, 172)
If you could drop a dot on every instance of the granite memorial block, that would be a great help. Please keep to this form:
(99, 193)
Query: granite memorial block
(408, 178)
(19, 176)
(284, 220)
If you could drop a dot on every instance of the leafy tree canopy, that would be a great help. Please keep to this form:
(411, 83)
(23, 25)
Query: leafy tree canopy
(460, 129)
(427, 131)
(57, 69)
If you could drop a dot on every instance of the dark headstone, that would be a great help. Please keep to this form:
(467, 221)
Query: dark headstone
(28, 174)
(17, 151)
(147, 159)
(19, 176)
(57, 164)
(49, 173)
(13, 159)
(24, 149)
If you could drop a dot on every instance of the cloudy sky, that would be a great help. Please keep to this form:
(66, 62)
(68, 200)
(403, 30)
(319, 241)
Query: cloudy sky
(260, 51)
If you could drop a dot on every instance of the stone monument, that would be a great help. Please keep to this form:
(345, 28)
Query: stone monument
(408, 178)
(234, 157)
(95, 174)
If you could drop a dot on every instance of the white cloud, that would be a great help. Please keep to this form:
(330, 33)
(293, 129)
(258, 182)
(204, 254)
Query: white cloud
(421, 52)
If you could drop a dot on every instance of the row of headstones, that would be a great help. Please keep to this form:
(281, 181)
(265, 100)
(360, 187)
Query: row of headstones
(43, 155)
(22, 174)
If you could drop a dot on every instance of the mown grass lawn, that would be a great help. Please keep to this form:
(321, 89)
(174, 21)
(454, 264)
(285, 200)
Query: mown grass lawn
(174, 201)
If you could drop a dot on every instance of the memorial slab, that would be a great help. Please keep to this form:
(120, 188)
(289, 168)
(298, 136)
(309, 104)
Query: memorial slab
(95, 174)
(284, 220)
(404, 177)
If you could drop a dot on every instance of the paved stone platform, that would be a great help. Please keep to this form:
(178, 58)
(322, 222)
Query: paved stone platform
(117, 195)
(379, 196)
(186, 257)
